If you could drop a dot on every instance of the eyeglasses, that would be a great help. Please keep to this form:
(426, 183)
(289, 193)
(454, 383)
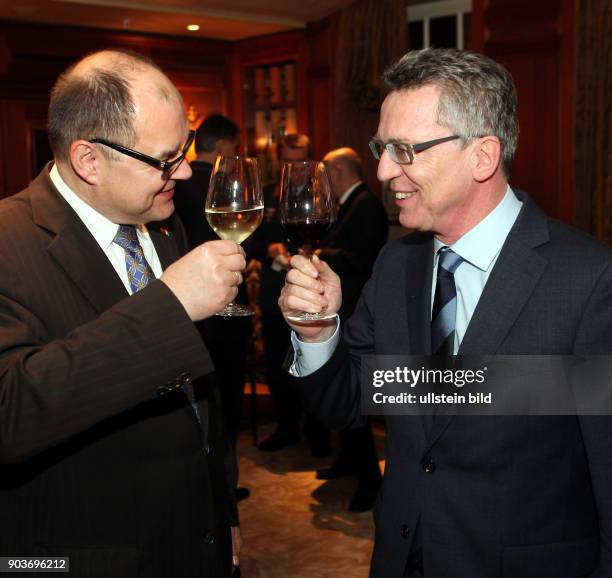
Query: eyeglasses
(167, 167)
(403, 153)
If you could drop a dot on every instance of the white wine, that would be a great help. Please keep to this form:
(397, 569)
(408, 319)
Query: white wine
(234, 225)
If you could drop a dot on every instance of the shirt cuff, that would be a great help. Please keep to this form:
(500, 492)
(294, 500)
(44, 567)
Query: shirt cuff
(308, 357)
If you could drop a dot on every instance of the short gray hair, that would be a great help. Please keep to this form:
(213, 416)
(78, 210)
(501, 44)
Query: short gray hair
(477, 94)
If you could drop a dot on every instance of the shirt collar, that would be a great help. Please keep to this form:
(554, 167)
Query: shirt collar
(481, 244)
(102, 229)
(348, 192)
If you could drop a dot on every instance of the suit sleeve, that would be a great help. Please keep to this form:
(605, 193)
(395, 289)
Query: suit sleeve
(51, 390)
(333, 392)
(595, 338)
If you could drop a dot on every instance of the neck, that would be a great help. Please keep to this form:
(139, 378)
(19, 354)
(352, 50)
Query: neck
(479, 203)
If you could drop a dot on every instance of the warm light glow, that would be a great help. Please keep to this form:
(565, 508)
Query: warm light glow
(193, 27)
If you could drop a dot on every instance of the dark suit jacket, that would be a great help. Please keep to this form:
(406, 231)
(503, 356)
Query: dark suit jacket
(353, 244)
(513, 496)
(101, 456)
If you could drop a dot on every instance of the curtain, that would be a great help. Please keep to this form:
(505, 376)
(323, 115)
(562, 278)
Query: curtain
(593, 106)
(371, 36)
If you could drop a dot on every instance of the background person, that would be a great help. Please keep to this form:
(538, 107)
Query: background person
(270, 247)
(227, 338)
(350, 249)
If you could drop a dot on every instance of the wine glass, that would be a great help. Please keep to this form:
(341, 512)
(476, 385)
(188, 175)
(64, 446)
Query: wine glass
(234, 207)
(307, 212)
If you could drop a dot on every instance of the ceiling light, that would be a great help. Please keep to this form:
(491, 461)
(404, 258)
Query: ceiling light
(193, 27)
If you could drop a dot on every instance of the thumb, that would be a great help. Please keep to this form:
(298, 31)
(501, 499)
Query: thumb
(322, 267)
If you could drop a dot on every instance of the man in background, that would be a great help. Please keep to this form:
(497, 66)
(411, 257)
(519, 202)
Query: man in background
(112, 452)
(270, 247)
(350, 249)
(227, 338)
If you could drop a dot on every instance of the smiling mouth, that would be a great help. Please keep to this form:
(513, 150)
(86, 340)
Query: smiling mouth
(401, 195)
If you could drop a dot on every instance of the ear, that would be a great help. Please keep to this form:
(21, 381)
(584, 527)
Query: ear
(486, 158)
(85, 160)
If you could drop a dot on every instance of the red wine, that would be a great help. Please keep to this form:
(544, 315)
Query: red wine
(303, 233)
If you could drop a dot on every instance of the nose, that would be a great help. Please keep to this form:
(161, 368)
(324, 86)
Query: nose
(387, 168)
(182, 172)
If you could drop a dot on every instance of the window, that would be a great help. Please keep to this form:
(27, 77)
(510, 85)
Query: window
(444, 24)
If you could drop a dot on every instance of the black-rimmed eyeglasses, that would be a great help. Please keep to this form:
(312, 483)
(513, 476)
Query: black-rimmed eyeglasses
(166, 167)
(403, 153)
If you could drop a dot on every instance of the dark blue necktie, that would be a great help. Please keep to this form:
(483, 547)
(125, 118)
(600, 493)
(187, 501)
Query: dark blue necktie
(444, 311)
(140, 275)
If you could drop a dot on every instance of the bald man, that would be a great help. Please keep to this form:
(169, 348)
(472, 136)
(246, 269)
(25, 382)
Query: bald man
(351, 249)
(111, 450)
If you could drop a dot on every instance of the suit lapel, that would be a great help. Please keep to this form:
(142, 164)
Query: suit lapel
(419, 268)
(515, 275)
(344, 207)
(164, 243)
(74, 248)
(417, 291)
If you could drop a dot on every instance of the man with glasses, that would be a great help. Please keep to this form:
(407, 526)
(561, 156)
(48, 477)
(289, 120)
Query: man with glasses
(112, 451)
(483, 272)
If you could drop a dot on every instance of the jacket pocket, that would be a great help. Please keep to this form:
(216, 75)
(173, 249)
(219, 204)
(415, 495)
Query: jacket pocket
(557, 560)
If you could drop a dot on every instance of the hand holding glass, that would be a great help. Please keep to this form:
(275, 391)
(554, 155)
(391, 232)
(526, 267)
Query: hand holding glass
(307, 212)
(234, 207)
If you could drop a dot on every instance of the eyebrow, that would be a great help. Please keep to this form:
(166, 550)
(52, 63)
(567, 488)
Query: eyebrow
(168, 154)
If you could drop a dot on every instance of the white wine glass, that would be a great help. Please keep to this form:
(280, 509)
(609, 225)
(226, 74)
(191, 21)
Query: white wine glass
(234, 207)
(307, 210)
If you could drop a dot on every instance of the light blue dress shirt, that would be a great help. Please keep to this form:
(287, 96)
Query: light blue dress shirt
(479, 247)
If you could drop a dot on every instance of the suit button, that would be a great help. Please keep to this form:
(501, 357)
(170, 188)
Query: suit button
(209, 537)
(405, 532)
(206, 448)
(428, 465)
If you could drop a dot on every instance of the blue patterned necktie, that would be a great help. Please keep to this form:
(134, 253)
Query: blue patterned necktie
(138, 270)
(140, 275)
(444, 311)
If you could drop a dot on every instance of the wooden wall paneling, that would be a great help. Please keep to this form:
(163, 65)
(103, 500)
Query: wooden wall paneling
(33, 55)
(321, 37)
(14, 165)
(534, 40)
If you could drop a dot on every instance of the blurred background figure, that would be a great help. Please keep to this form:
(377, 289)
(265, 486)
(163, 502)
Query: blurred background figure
(270, 247)
(226, 337)
(351, 249)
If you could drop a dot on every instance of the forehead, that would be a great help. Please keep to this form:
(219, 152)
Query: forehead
(406, 114)
(294, 154)
(161, 123)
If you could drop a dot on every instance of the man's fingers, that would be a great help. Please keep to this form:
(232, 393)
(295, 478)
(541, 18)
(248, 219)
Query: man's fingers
(224, 247)
(304, 264)
(298, 278)
(307, 295)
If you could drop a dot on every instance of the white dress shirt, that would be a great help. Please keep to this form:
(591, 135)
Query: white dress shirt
(104, 231)
(480, 247)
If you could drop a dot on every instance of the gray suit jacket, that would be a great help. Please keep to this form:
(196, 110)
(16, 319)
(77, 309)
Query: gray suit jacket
(492, 497)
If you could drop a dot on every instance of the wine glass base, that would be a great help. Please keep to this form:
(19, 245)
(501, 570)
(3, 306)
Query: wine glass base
(236, 311)
(304, 317)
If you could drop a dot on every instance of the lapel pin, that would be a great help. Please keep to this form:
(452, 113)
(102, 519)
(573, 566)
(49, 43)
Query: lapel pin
(164, 231)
